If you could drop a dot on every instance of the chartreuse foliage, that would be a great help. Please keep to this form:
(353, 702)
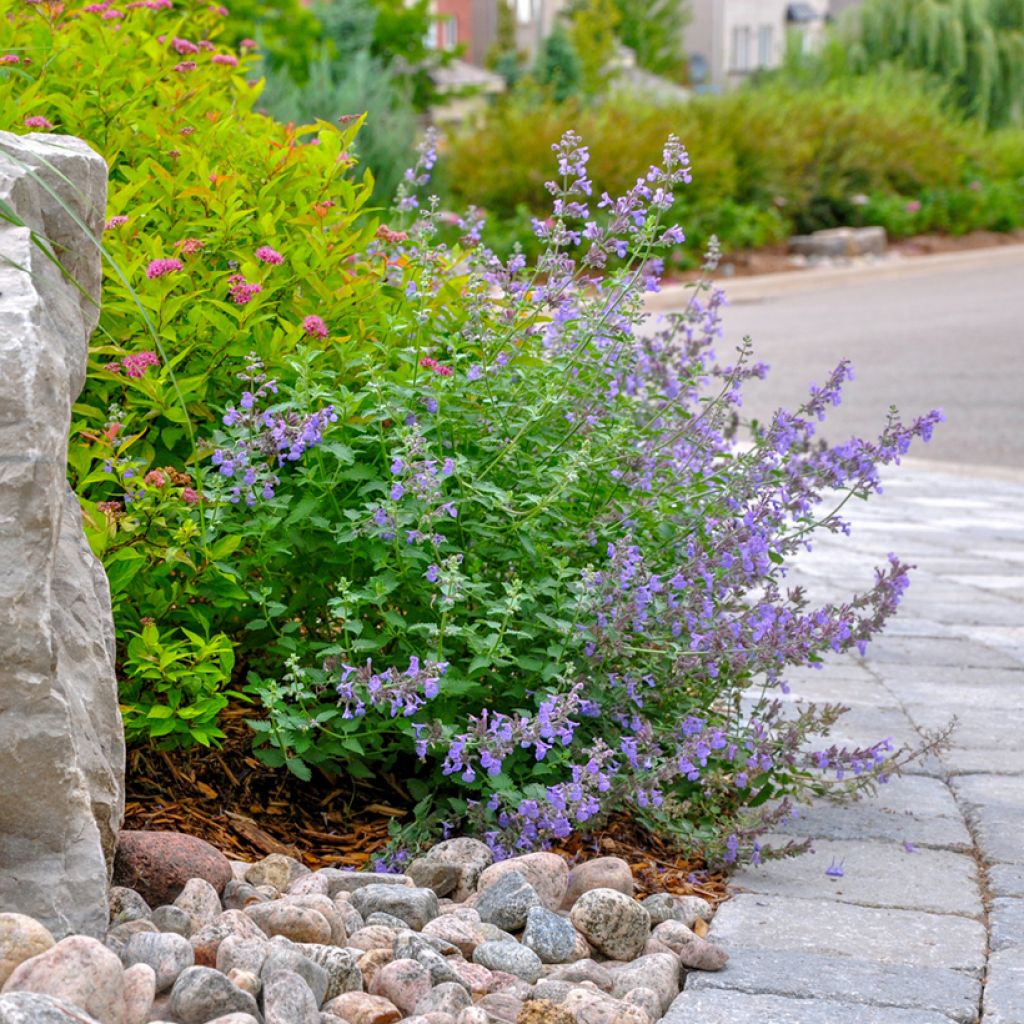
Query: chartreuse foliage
(441, 517)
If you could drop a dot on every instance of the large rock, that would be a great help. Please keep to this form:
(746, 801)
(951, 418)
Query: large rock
(61, 738)
(158, 865)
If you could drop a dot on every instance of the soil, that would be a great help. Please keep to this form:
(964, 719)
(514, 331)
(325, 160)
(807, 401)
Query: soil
(248, 811)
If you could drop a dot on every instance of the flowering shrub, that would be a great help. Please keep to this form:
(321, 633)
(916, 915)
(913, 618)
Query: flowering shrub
(450, 519)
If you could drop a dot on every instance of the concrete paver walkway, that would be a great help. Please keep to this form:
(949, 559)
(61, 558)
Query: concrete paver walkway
(931, 932)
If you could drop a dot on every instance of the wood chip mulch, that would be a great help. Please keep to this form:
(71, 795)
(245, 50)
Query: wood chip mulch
(248, 811)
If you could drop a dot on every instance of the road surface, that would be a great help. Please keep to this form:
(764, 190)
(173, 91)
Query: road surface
(941, 331)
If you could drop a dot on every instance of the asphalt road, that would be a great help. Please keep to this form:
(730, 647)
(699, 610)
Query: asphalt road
(942, 331)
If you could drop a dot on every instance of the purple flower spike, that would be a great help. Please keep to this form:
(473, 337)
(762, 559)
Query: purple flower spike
(835, 869)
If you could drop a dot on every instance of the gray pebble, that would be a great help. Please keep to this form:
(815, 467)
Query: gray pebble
(509, 957)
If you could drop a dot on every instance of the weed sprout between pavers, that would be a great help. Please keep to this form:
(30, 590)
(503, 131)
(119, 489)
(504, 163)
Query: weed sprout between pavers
(458, 522)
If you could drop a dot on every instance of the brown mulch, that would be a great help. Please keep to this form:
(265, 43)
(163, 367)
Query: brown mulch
(248, 810)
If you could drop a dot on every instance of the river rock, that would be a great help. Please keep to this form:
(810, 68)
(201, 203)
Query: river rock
(290, 958)
(300, 924)
(510, 957)
(200, 901)
(546, 872)
(550, 936)
(414, 906)
(403, 982)
(599, 873)
(544, 1011)
(21, 938)
(435, 874)
(35, 1008)
(612, 922)
(470, 856)
(287, 999)
(201, 993)
(127, 905)
(167, 953)
(448, 997)
(206, 941)
(158, 865)
(363, 1008)
(341, 965)
(139, 992)
(460, 933)
(79, 969)
(658, 972)
(61, 737)
(507, 901)
(170, 918)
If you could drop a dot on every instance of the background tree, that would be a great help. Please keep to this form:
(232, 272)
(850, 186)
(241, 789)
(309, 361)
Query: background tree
(558, 66)
(593, 32)
(975, 46)
(653, 30)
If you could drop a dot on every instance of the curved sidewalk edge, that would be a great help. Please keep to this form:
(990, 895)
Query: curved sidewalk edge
(926, 925)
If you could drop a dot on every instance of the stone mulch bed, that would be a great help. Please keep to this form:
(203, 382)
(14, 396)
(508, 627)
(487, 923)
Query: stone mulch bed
(458, 939)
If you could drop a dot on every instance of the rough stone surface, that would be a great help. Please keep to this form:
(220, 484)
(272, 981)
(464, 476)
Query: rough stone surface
(168, 954)
(840, 929)
(1004, 989)
(275, 870)
(843, 979)
(612, 922)
(139, 990)
(1006, 919)
(711, 1007)
(61, 737)
(507, 901)
(201, 993)
(448, 997)
(127, 905)
(21, 938)
(79, 969)
(841, 242)
(287, 999)
(414, 906)
(402, 982)
(170, 918)
(658, 972)
(599, 873)
(287, 957)
(509, 957)
(341, 965)
(33, 1008)
(549, 935)
(546, 872)
(206, 941)
(159, 864)
(300, 924)
(363, 1008)
(435, 874)
(470, 856)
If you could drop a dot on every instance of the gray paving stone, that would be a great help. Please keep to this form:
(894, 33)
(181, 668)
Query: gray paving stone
(1003, 1002)
(1006, 921)
(978, 761)
(1006, 879)
(979, 727)
(936, 652)
(827, 928)
(846, 980)
(876, 875)
(994, 807)
(828, 821)
(711, 1007)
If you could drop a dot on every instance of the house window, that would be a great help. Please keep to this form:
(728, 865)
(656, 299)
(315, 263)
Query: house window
(448, 30)
(524, 11)
(765, 41)
(741, 48)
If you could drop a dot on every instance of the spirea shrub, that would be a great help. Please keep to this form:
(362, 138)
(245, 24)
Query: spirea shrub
(467, 524)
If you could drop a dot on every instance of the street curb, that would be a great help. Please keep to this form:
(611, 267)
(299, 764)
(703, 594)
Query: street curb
(748, 289)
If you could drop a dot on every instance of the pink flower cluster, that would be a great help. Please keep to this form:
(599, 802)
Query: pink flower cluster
(190, 246)
(158, 268)
(135, 365)
(153, 5)
(315, 327)
(241, 290)
(267, 255)
(184, 46)
(432, 364)
(115, 222)
(10, 58)
(225, 59)
(184, 66)
(38, 121)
